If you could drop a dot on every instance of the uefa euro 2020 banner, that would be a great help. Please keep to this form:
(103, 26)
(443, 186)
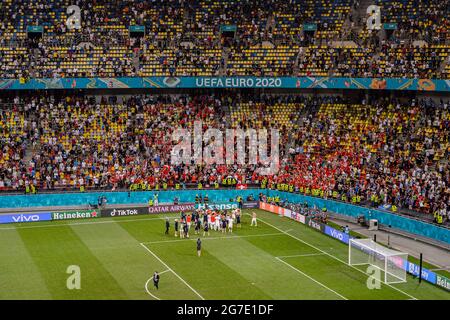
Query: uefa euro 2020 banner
(230, 82)
(25, 217)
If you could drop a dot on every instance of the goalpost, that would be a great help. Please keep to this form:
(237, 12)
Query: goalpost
(391, 262)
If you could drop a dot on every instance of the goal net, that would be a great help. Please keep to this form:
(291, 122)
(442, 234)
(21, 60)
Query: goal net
(392, 263)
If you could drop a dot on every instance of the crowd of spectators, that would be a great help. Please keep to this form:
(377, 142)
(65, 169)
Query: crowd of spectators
(383, 151)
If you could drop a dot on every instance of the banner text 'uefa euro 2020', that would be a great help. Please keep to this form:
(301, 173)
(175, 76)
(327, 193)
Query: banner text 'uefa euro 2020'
(238, 82)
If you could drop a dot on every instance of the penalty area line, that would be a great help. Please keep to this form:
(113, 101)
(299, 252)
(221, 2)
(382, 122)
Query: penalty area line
(171, 270)
(148, 291)
(164, 271)
(302, 255)
(217, 238)
(311, 278)
(328, 254)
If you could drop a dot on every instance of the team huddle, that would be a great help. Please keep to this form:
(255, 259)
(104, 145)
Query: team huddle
(206, 220)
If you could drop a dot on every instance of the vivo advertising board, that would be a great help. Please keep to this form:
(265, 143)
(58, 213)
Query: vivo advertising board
(341, 236)
(25, 217)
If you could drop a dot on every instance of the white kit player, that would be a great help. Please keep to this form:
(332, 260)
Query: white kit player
(254, 219)
(233, 215)
(182, 229)
(230, 224)
(217, 223)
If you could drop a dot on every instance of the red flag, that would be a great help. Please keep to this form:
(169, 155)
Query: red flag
(241, 186)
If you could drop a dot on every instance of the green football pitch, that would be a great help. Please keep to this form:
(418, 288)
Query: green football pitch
(278, 259)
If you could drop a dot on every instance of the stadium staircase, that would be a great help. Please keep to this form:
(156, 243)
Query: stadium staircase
(35, 55)
(361, 10)
(270, 24)
(444, 65)
(359, 17)
(136, 61)
(29, 153)
(300, 55)
(225, 55)
(227, 111)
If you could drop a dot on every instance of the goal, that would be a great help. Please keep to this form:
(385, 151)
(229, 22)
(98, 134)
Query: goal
(392, 263)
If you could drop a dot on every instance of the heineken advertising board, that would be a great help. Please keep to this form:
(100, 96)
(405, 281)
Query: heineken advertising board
(81, 214)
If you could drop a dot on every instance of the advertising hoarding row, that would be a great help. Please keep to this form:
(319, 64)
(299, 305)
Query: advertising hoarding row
(117, 212)
(165, 208)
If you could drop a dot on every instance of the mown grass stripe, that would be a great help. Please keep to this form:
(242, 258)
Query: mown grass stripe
(120, 254)
(261, 269)
(58, 248)
(210, 277)
(19, 277)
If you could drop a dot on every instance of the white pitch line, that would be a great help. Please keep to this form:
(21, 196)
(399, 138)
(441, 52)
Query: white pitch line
(148, 291)
(311, 278)
(330, 255)
(216, 238)
(441, 269)
(302, 255)
(150, 251)
(160, 273)
(146, 285)
(81, 223)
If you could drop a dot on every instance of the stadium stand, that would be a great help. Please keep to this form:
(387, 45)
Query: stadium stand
(183, 39)
(383, 150)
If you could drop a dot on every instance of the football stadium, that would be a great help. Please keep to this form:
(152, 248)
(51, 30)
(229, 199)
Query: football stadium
(224, 150)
